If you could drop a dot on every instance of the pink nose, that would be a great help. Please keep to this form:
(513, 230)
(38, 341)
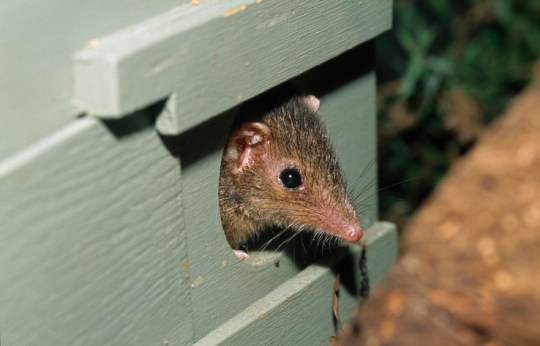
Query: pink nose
(354, 235)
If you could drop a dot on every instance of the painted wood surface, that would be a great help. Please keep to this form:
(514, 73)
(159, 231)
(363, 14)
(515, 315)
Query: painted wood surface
(299, 312)
(92, 248)
(110, 232)
(115, 245)
(214, 56)
(346, 87)
(37, 41)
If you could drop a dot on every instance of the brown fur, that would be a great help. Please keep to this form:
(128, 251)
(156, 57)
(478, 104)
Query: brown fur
(254, 199)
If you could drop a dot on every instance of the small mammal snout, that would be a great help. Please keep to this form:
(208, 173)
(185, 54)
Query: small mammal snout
(354, 235)
(279, 169)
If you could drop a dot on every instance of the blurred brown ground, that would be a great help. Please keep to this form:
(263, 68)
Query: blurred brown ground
(470, 269)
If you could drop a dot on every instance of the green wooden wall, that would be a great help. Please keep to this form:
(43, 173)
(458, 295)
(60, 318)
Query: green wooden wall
(113, 118)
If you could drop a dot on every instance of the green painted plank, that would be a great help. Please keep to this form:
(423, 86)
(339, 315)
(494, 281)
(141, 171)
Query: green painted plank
(216, 55)
(299, 311)
(224, 286)
(37, 41)
(92, 248)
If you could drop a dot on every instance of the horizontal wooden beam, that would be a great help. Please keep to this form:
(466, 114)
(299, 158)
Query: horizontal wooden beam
(216, 55)
(307, 297)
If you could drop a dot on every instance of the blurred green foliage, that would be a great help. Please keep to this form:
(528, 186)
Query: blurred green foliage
(446, 70)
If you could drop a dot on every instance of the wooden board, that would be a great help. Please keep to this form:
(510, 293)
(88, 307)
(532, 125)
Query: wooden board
(111, 233)
(37, 41)
(214, 56)
(92, 247)
(299, 312)
(346, 87)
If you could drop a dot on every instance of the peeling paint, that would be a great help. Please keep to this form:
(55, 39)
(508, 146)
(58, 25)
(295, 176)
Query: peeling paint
(185, 267)
(197, 282)
(234, 10)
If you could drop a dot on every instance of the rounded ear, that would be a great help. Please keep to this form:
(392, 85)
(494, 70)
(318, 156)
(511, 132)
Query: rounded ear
(312, 103)
(246, 143)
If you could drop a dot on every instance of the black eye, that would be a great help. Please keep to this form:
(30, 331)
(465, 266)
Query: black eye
(290, 178)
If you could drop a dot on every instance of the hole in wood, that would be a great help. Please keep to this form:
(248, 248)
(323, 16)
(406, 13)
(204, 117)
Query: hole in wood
(280, 177)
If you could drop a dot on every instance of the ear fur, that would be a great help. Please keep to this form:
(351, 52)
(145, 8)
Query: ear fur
(247, 142)
(312, 103)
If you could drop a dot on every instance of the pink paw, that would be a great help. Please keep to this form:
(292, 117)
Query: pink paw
(242, 255)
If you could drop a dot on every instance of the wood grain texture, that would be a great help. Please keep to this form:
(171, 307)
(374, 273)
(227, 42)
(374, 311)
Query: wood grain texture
(92, 245)
(224, 286)
(216, 55)
(299, 312)
(37, 41)
(103, 241)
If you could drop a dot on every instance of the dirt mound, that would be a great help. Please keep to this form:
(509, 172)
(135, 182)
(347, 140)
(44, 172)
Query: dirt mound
(470, 273)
